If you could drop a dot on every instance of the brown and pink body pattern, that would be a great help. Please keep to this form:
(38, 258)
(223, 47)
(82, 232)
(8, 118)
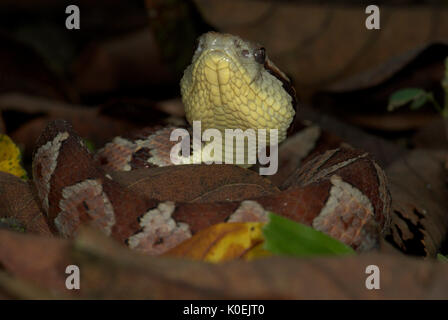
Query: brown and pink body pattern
(341, 192)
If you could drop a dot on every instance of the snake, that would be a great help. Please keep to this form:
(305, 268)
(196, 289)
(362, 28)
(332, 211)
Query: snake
(230, 84)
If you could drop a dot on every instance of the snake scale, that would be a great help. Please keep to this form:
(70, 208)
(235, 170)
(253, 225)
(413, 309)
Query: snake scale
(231, 83)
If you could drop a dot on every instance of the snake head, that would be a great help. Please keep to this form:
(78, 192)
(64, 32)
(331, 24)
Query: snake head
(226, 50)
(232, 84)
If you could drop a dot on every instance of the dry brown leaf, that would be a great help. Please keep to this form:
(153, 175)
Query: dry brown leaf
(18, 203)
(196, 183)
(393, 122)
(432, 136)
(420, 65)
(110, 271)
(320, 44)
(419, 202)
(34, 113)
(38, 259)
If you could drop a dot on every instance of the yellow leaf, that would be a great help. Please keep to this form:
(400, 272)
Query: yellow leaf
(223, 242)
(257, 252)
(10, 157)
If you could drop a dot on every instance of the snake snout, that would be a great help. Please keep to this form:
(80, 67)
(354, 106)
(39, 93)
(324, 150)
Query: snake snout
(216, 59)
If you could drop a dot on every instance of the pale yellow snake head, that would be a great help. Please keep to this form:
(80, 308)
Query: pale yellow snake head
(232, 84)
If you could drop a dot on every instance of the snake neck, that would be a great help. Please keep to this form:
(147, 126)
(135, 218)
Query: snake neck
(227, 146)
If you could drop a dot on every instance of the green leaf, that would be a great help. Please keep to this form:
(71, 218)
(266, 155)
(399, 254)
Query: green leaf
(442, 258)
(11, 224)
(404, 96)
(89, 145)
(419, 102)
(286, 237)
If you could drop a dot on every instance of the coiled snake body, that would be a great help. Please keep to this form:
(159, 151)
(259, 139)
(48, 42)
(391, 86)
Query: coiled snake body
(231, 83)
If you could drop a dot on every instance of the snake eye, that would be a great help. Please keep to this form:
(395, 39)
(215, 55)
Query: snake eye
(260, 55)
